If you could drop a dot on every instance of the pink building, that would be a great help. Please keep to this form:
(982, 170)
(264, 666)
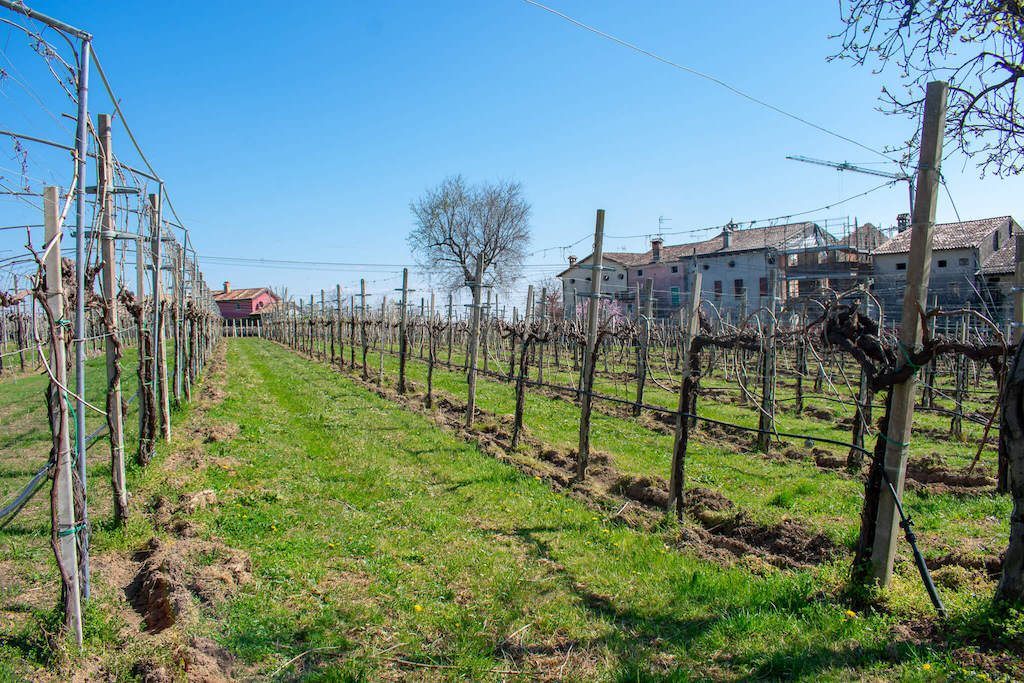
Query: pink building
(248, 303)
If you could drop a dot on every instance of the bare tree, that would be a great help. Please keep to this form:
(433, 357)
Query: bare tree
(456, 223)
(977, 46)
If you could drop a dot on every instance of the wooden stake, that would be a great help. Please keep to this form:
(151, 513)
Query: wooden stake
(690, 326)
(474, 342)
(158, 322)
(403, 340)
(115, 418)
(63, 498)
(883, 548)
(583, 449)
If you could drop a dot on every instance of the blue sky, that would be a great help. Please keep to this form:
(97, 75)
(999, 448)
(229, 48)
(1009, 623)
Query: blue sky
(302, 130)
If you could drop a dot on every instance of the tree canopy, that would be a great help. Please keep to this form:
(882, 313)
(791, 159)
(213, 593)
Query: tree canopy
(977, 46)
(457, 222)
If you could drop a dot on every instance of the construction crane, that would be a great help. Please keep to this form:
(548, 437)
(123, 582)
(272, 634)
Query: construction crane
(847, 166)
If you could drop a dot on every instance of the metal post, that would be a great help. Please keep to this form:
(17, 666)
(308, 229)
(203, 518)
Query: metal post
(81, 152)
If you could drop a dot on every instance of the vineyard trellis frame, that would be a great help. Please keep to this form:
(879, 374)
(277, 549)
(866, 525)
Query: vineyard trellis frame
(185, 312)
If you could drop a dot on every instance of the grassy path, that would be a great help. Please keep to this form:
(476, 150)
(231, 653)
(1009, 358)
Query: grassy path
(375, 534)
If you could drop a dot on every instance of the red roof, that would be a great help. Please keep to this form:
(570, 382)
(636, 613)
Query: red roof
(242, 294)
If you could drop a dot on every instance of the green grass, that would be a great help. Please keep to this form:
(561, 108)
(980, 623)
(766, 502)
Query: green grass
(823, 500)
(376, 537)
(369, 528)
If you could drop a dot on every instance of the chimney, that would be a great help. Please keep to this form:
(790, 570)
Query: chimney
(656, 249)
(727, 235)
(227, 286)
(902, 222)
(572, 261)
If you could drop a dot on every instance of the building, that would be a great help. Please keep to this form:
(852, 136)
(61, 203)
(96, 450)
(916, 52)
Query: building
(248, 304)
(968, 265)
(736, 268)
(997, 279)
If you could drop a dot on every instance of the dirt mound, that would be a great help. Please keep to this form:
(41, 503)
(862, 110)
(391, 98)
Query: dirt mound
(991, 565)
(200, 500)
(171, 573)
(150, 671)
(819, 413)
(158, 590)
(705, 500)
(788, 540)
(207, 662)
(647, 490)
(931, 472)
(218, 432)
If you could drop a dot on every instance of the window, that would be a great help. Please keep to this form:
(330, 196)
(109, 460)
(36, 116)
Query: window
(732, 264)
(639, 273)
(605, 278)
(964, 261)
(942, 263)
(675, 269)
(763, 286)
(675, 297)
(995, 241)
(707, 267)
(718, 286)
(238, 306)
(901, 266)
(572, 281)
(954, 289)
(738, 287)
(622, 275)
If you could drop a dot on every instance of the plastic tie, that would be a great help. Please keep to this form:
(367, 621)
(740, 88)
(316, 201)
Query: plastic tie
(72, 531)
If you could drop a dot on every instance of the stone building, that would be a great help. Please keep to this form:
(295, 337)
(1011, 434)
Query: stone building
(961, 254)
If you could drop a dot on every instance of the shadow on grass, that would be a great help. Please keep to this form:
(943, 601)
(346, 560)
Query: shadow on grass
(638, 637)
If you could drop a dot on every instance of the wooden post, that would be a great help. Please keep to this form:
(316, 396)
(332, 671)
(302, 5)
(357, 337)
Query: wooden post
(583, 449)
(861, 421)
(351, 331)
(145, 406)
(486, 328)
(383, 329)
(450, 330)
(177, 256)
(766, 423)
(474, 341)
(644, 342)
(362, 321)
(115, 418)
(158, 324)
(690, 326)
(543, 320)
(883, 547)
(65, 536)
(403, 340)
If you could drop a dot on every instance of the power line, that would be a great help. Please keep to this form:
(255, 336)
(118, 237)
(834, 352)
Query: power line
(700, 74)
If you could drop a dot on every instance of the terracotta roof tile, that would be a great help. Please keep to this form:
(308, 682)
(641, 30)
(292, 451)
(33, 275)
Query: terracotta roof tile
(961, 235)
(1001, 261)
(776, 236)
